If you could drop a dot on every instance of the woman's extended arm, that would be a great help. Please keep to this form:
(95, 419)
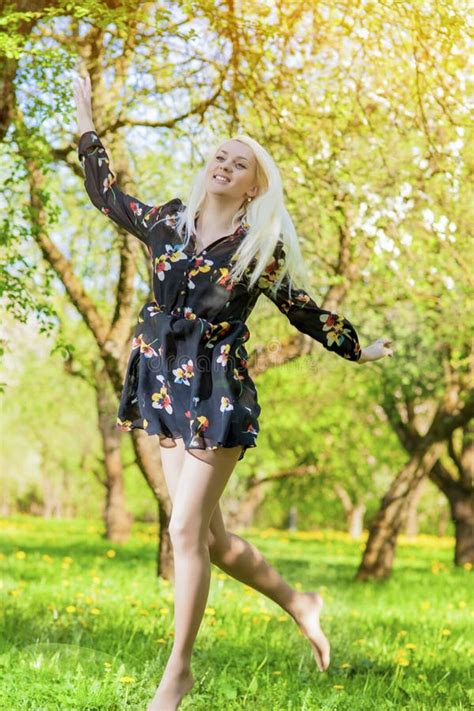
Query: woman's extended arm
(332, 330)
(127, 211)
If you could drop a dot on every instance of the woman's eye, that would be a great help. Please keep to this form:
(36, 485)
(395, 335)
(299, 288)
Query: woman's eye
(239, 165)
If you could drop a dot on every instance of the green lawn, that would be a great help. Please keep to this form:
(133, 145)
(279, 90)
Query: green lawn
(86, 625)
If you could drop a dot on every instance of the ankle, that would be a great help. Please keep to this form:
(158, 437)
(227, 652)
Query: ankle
(294, 605)
(178, 665)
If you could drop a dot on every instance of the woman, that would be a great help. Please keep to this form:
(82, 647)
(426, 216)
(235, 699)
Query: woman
(187, 379)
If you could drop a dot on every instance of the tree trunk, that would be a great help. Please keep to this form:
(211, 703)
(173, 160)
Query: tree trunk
(148, 457)
(461, 504)
(463, 517)
(354, 511)
(117, 519)
(355, 520)
(377, 560)
(411, 526)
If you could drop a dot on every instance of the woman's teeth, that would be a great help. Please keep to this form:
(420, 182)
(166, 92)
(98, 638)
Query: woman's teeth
(220, 179)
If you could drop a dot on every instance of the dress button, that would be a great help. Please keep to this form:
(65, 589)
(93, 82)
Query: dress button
(178, 309)
(182, 292)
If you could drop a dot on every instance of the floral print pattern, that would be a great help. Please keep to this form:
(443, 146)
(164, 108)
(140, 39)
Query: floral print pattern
(187, 371)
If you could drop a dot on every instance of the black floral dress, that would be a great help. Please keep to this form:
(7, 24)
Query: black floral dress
(187, 371)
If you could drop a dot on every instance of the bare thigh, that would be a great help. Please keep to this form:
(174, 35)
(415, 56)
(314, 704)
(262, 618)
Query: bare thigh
(172, 458)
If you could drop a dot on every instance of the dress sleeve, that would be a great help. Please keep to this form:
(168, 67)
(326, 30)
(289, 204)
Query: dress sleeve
(332, 330)
(128, 212)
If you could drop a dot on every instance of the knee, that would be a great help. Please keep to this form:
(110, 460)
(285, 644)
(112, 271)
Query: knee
(185, 534)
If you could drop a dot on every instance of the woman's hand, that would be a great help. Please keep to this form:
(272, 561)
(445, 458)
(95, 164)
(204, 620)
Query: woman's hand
(377, 350)
(83, 98)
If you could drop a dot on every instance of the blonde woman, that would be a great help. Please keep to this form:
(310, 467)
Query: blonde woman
(187, 379)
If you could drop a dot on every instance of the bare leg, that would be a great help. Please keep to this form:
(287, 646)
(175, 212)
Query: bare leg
(202, 480)
(244, 562)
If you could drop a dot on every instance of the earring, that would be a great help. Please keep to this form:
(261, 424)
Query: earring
(249, 199)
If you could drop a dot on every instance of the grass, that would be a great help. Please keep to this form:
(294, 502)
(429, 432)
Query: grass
(86, 625)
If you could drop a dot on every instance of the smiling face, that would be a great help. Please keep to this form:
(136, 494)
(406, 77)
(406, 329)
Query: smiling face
(232, 171)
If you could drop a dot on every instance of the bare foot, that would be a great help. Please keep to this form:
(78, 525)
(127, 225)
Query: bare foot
(170, 692)
(307, 616)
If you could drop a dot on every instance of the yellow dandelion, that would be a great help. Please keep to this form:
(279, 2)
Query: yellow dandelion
(255, 620)
(161, 641)
(71, 608)
(402, 633)
(107, 664)
(67, 559)
(276, 673)
(222, 576)
(467, 566)
(15, 593)
(47, 558)
(95, 611)
(144, 612)
(410, 645)
(338, 686)
(221, 633)
(96, 580)
(127, 679)
(21, 555)
(402, 662)
(425, 605)
(266, 617)
(164, 610)
(445, 632)
(209, 611)
(282, 618)
(111, 553)
(345, 666)
(89, 601)
(462, 604)
(245, 609)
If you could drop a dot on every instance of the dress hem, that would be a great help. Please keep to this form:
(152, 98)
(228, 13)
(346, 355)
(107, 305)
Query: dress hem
(163, 435)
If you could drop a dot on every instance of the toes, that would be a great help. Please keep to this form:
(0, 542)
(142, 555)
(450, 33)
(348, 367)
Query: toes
(317, 657)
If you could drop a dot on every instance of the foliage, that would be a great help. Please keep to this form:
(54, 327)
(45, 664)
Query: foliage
(85, 624)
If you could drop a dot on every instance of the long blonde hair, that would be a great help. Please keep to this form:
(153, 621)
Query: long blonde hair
(267, 220)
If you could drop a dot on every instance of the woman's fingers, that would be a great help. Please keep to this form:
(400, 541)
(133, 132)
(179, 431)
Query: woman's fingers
(384, 344)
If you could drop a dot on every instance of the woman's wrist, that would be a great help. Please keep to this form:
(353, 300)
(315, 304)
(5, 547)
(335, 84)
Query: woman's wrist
(363, 357)
(85, 122)
(85, 126)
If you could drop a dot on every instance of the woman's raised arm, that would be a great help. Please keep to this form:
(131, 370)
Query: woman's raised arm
(127, 211)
